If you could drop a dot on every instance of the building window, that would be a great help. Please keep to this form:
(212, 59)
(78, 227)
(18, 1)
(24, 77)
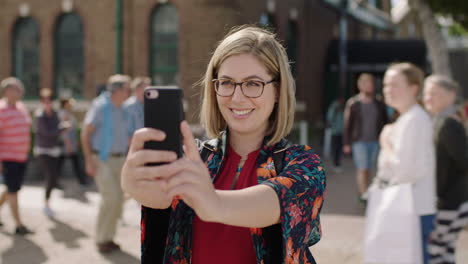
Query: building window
(164, 43)
(25, 55)
(69, 56)
(291, 46)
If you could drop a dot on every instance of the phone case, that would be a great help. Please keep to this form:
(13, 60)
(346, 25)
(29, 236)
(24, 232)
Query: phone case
(165, 112)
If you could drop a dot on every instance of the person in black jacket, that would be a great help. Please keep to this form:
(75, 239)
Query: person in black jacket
(452, 167)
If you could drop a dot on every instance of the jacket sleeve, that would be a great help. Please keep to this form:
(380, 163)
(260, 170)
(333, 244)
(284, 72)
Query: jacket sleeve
(300, 188)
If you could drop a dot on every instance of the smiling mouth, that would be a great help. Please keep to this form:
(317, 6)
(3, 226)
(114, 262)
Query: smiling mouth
(242, 112)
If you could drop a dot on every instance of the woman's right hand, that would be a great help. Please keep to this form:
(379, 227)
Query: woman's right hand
(144, 183)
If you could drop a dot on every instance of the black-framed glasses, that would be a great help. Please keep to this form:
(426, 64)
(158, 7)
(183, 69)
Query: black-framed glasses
(249, 88)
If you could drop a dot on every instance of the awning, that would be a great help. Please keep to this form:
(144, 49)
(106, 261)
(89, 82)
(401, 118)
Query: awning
(364, 13)
(376, 55)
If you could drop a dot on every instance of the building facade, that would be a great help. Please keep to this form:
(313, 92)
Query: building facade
(73, 46)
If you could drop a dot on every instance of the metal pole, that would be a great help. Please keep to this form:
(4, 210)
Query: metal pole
(343, 52)
(118, 36)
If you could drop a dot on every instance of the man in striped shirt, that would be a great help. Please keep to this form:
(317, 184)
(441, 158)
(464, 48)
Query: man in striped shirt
(15, 126)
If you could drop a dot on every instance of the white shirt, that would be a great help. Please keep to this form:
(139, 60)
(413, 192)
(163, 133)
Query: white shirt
(408, 156)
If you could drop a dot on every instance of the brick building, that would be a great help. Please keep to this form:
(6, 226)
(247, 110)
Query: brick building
(72, 46)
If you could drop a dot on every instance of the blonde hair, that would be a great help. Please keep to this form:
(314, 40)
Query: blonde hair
(263, 46)
(11, 82)
(413, 74)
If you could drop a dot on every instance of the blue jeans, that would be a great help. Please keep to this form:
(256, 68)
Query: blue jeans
(365, 154)
(427, 225)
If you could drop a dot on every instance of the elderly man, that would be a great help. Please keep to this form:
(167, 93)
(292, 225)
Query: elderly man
(15, 140)
(105, 142)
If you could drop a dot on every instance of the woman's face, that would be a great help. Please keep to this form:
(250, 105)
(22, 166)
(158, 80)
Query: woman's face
(246, 115)
(437, 99)
(397, 91)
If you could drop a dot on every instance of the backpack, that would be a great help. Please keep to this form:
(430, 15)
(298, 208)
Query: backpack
(155, 234)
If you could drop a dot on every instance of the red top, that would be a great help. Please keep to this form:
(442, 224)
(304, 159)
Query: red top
(15, 126)
(215, 243)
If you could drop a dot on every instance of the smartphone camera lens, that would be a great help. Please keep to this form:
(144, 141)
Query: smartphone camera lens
(151, 94)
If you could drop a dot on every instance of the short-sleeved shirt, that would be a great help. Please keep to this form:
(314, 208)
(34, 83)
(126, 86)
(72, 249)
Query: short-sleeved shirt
(15, 129)
(134, 109)
(95, 117)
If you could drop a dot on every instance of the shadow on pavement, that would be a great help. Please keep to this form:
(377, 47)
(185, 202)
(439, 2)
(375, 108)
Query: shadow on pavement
(76, 194)
(63, 233)
(121, 257)
(23, 250)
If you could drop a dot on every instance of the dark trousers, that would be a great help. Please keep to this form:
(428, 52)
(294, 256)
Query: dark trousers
(337, 147)
(77, 169)
(49, 166)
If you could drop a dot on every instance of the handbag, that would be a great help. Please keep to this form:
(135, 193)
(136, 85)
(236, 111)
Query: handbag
(392, 231)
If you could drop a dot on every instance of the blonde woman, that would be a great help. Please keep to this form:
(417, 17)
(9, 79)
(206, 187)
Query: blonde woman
(407, 150)
(231, 199)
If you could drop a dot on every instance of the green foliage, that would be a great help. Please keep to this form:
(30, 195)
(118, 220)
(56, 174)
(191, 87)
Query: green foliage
(458, 30)
(456, 9)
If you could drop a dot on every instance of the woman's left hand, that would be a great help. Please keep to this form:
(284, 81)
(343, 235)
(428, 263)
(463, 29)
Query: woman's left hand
(192, 182)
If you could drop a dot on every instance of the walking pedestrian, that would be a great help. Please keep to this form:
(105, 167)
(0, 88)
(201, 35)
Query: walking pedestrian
(104, 140)
(335, 122)
(47, 145)
(70, 149)
(15, 143)
(134, 104)
(365, 116)
(249, 196)
(440, 94)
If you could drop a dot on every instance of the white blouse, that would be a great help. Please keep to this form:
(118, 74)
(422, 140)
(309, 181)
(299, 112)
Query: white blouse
(408, 156)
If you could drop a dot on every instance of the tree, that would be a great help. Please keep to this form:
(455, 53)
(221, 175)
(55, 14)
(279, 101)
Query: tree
(438, 50)
(455, 9)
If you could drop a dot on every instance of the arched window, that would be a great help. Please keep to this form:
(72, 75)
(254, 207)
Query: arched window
(69, 56)
(25, 55)
(164, 43)
(291, 46)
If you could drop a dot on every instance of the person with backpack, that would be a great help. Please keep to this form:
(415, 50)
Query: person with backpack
(246, 195)
(450, 141)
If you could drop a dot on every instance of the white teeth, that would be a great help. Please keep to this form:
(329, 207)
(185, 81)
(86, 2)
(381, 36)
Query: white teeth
(243, 112)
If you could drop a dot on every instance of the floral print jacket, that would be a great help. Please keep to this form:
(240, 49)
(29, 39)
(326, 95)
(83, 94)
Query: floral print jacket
(300, 188)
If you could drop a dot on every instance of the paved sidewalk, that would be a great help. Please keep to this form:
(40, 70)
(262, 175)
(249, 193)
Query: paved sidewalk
(69, 237)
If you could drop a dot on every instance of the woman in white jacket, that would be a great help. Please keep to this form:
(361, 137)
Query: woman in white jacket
(407, 150)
